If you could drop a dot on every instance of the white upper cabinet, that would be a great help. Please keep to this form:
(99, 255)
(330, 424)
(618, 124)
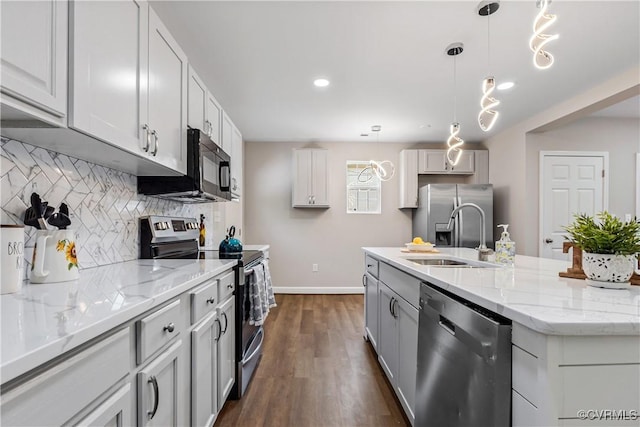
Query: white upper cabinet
(167, 83)
(128, 80)
(435, 162)
(204, 111)
(310, 178)
(237, 150)
(232, 144)
(408, 172)
(34, 60)
(197, 95)
(214, 116)
(227, 133)
(108, 96)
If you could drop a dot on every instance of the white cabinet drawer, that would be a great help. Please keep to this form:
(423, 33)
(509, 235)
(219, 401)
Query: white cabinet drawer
(55, 396)
(226, 286)
(524, 374)
(372, 265)
(157, 329)
(408, 287)
(204, 300)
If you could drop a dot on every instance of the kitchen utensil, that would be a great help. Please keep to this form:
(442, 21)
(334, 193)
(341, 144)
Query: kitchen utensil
(54, 258)
(59, 220)
(39, 209)
(48, 210)
(31, 218)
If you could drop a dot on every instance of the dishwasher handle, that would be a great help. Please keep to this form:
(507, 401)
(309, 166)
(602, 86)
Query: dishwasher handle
(447, 325)
(433, 307)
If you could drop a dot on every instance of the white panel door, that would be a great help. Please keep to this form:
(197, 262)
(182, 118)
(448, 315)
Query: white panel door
(197, 95)
(226, 350)
(320, 177)
(570, 184)
(167, 96)
(204, 371)
(34, 53)
(108, 60)
(214, 116)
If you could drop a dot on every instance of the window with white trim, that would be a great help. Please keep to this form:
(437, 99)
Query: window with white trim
(363, 188)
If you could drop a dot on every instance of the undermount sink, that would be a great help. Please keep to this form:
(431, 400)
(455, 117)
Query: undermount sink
(443, 262)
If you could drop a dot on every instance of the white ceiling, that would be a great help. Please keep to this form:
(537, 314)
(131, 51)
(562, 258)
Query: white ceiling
(387, 64)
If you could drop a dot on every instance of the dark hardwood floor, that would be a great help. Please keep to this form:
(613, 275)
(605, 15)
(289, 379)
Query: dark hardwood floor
(316, 370)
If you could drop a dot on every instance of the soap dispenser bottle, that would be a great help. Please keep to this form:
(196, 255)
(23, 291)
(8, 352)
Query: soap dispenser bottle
(505, 247)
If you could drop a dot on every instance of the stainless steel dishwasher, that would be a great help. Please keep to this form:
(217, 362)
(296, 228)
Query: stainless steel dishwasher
(464, 363)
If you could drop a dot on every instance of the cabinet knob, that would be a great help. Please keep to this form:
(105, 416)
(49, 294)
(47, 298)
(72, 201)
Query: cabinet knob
(211, 300)
(548, 240)
(230, 286)
(169, 328)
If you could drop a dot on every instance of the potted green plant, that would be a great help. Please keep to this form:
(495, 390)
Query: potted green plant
(610, 248)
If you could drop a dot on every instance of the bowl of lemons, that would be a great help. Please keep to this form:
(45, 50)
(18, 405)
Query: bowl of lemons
(419, 245)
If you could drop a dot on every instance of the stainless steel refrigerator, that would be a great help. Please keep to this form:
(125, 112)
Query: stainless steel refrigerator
(436, 202)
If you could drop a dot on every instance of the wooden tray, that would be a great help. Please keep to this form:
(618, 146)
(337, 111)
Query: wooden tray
(575, 271)
(426, 251)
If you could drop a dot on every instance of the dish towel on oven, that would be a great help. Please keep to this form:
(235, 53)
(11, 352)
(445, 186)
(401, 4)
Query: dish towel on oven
(261, 297)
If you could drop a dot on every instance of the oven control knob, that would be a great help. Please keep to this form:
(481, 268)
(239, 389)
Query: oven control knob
(158, 226)
(166, 225)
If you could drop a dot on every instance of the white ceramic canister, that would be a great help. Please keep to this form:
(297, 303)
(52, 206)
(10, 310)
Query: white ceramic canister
(54, 257)
(12, 258)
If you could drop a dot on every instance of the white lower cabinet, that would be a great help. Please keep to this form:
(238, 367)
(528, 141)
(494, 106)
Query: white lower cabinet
(204, 371)
(398, 345)
(114, 412)
(371, 308)
(68, 389)
(226, 350)
(159, 399)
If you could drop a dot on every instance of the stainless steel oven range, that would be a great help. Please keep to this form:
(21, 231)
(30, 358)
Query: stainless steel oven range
(164, 237)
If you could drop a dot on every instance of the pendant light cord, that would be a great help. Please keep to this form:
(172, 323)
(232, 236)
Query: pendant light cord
(455, 89)
(488, 39)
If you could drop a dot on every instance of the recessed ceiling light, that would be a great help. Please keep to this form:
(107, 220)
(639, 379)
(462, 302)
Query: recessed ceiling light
(321, 82)
(505, 85)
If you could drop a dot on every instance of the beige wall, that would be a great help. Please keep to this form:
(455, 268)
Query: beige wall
(330, 237)
(514, 175)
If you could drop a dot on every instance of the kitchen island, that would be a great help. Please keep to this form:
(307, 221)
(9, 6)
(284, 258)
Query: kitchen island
(116, 344)
(574, 347)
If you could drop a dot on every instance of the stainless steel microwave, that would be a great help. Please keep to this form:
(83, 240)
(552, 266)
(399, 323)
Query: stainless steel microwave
(208, 177)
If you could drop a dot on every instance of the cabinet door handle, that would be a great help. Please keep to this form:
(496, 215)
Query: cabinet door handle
(394, 306)
(391, 306)
(313, 199)
(146, 130)
(156, 397)
(155, 142)
(211, 301)
(219, 330)
(364, 280)
(226, 323)
(169, 328)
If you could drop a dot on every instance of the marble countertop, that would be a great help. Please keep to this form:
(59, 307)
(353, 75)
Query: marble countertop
(530, 293)
(42, 321)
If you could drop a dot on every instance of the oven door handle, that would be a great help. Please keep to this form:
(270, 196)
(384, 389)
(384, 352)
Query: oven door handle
(256, 350)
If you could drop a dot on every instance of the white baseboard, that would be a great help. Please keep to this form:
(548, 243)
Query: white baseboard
(318, 290)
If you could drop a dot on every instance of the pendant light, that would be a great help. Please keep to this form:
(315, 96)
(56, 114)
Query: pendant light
(488, 116)
(541, 58)
(384, 170)
(454, 142)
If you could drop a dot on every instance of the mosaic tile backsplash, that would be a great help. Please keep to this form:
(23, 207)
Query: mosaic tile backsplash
(104, 205)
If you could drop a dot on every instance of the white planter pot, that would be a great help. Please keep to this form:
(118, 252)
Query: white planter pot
(606, 268)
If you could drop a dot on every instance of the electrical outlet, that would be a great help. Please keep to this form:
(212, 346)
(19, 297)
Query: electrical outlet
(314, 268)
